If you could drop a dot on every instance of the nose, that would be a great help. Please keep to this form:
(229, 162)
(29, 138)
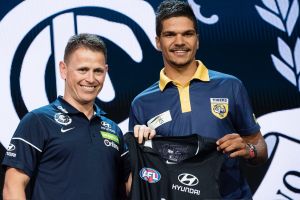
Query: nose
(90, 77)
(179, 40)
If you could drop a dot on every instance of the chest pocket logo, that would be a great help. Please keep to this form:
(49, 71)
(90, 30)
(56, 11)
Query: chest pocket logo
(219, 107)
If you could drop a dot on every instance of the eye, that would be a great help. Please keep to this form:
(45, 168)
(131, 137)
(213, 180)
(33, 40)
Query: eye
(99, 71)
(168, 34)
(189, 34)
(82, 70)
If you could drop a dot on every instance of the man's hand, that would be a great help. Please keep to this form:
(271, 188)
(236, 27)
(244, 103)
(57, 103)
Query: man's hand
(143, 132)
(236, 145)
(233, 145)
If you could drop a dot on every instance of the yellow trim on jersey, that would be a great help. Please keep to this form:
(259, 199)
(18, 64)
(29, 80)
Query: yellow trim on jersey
(184, 90)
(201, 74)
(184, 95)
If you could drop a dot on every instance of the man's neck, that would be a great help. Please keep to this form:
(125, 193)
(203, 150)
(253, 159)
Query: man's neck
(182, 75)
(86, 109)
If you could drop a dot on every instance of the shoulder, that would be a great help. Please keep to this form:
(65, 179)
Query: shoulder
(223, 78)
(153, 89)
(111, 125)
(38, 112)
(43, 110)
(215, 75)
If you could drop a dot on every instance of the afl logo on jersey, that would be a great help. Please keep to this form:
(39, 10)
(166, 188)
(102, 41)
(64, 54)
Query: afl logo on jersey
(62, 119)
(150, 175)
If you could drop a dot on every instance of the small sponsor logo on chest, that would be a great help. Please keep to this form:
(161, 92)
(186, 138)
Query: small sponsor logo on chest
(105, 126)
(159, 120)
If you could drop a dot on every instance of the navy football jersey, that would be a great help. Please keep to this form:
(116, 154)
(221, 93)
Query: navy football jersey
(171, 168)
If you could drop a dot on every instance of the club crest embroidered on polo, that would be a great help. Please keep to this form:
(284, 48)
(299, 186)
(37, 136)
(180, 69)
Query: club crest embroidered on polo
(219, 107)
(62, 118)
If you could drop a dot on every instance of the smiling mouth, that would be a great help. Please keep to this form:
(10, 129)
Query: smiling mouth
(180, 51)
(89, 88)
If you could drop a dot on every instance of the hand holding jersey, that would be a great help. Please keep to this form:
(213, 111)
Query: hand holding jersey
(248, 147)
(143, 132)
(183, 167)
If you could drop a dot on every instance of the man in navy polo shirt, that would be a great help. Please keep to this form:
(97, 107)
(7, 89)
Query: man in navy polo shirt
(68, 149)
(189, 98)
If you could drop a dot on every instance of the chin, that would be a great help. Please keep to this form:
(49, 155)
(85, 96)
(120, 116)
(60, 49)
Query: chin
(180, 64)
(86, 100)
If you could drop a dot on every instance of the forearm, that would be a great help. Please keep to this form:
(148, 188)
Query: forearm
(262, 154)
(128, 184)
(13, 192)
(14, 185)
(261, 150)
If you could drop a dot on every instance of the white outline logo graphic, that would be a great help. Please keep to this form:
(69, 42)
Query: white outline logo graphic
(63, 119)
(52, 39)
(188, 179)
(11, 147)
(105, 124)
(283, 15)
(281, 134)
(66, 130)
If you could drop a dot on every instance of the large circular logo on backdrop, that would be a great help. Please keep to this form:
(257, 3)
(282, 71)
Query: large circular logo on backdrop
(33, 44)
(33, 36)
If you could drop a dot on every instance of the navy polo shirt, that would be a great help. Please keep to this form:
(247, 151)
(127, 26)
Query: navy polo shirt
(68, 156)
(212, 105)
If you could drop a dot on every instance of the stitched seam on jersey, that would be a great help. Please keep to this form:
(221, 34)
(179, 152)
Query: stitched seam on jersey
(17, 138)
(123, 154)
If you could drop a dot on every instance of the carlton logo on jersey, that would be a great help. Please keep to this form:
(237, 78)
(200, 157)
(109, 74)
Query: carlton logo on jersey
(150, 175)
(219, 107)
(62, 118)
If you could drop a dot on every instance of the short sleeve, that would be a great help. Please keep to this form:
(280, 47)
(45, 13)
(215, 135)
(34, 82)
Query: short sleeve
(26, 145)
(245, 122)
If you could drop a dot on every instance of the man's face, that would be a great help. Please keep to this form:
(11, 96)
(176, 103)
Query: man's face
(178, 42)
(84, 73)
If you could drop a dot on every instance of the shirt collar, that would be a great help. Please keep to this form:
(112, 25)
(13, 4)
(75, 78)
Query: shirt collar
(200, 74)
(65, 107)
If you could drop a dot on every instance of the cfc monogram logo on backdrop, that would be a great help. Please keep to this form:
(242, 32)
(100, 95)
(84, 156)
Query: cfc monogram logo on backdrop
(30, 52)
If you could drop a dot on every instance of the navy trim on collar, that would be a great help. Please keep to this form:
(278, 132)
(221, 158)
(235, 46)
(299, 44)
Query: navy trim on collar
(98, 111)
(65, 107)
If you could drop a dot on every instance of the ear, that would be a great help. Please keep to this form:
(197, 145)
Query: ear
(106, 69)
(157, 40)
(198, 40)
(63, 70)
